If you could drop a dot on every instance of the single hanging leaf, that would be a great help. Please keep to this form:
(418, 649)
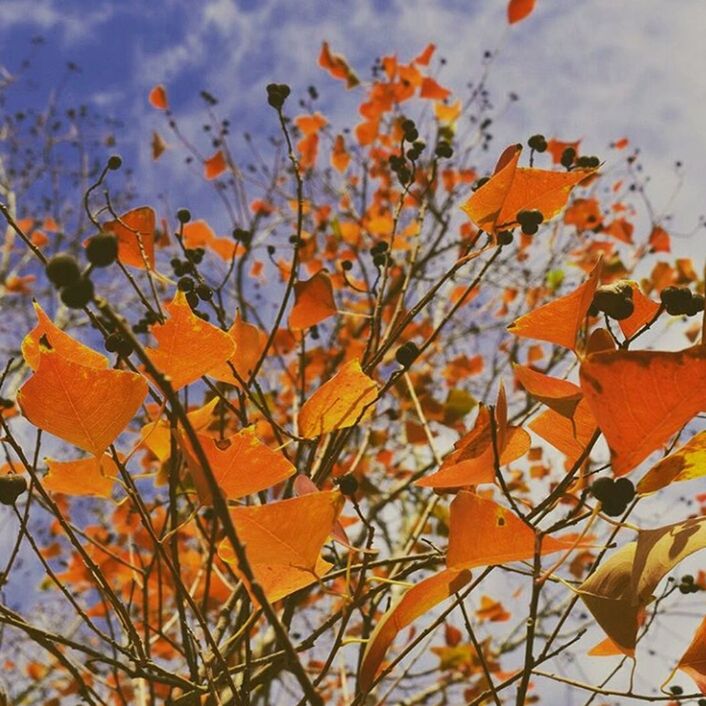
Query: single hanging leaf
(157, 145)
(214, 166)
(693, 661)
(249, 343)
(59, 341)
(560, 320)
(339, 155)
(283, 541)
(158, 97)
(188, 346)
(337, 66)
(415, 602)
(517, 10)
(241, 464)
(483, 533)
(87, 407)
(641, 398)
(135, 233)
(660, 240)
(624, 584)
(686, 463)
(94, 475)
(313, 301)
(511, 189)
(560, 395)
(339, 402)
(644, 311)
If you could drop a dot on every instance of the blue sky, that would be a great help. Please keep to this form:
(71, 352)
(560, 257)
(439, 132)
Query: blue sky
(597, 69)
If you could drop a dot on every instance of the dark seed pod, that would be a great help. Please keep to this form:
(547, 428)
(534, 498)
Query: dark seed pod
(62, 270)
(676, 300)
(348, 484)
(78, 294)
(602, 488)
(407, 353)
(538, 143)
(102, 249)
(624, 490)
(11, 487)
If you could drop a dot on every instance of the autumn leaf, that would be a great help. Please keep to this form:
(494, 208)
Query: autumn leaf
(517, 10)
(188, 346)
(158, 145)
(686, 463)
(511, 189)
(158, 97)
(560, 395)
(344, 400)
(94, 475)
(337, 66)
(431, 89)
(313, 303)
(283, 541)
(560, 320)
(623, 585)
(415, 602)
(643, 313)
(135, 233)
(483, 533)
(641, 398)
(659, 240)
(241, 465)
(339, 155)
(249, 342)
(693, 661)
(59, 341)
(86, 406)
(214, 166)
(198, 234)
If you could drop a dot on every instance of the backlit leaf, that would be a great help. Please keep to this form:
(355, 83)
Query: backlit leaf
(560, 395)
(215, 165)
(686, 463)
(283, 540)
(249, 343)
(339, 402)
(158, 97)
(313, 301)
(415, 602)
(94, 475)
(188, 346)
(641, 398)
(693, 661)
(517, 10)
(87, 407)
(135, 233)
(337, 66)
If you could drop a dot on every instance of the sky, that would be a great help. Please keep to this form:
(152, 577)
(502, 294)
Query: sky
(599, 70)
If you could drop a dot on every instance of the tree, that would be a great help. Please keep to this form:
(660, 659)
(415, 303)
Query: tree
(397, 407)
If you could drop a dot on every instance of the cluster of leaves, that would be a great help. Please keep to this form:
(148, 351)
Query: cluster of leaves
(260, 490)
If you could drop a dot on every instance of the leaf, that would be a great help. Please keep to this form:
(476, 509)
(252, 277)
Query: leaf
(623, 585)
(283, 541)
(158, 97)
(337, 66)
(84, 476)
(511, 189)
(60, 341)
(424, 58)
(339, 402)
(241, 465)
(431, 89)
(559, 321)
(560, 395)
(198, 234)
(483, 533)
(686, 463)
(339, 155)
(693, 661)
(641, 398)
(135, 233)
(313, 301)
(415, 602)
(158, 145)
(86, 406)
(214, 166)
(644, 311)
(517, 10)
(188, 346)
(249, 343)
(659, 240)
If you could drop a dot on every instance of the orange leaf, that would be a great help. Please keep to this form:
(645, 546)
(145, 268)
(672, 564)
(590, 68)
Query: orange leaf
(339, 403)
(339, 156)
(249, 343)
(641, 398)
(214, 166)
(495, 205)
(158, 145)
(313, 301)
(693, 661)
(492, 610)
(283, 540)
(308, 148)
(310, 124)
(519, 9)
(415, 602)
(559, 321)
(198, 234)
(59, 341)
(84, 476)
(483, 533)
(425, 57)
(431, 89)
(87, 407)
(686, 463)
(337, 66)
(158, 97)
(188, 346)
(556, 148)
(644, 311)
(447, 114)
(241, 464)
(659, 240)
(135, 233)
(560, 395)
